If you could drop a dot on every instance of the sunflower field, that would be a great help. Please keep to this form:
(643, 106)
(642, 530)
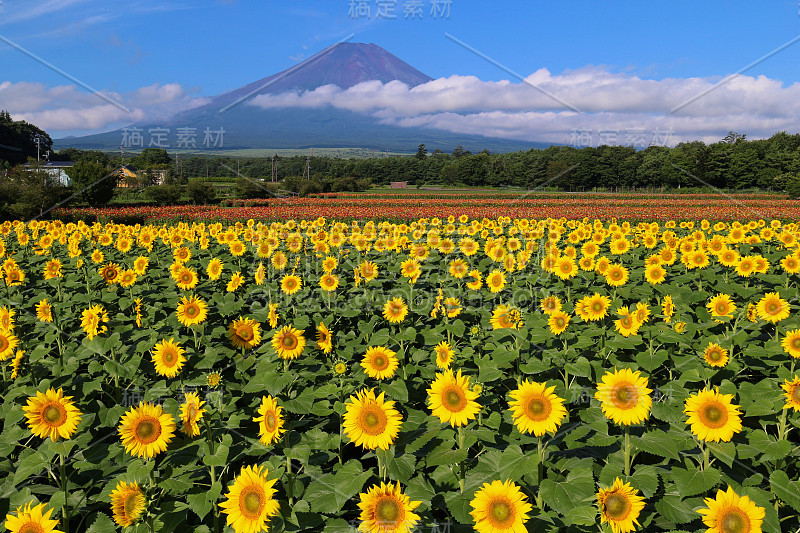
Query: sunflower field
(456, 374)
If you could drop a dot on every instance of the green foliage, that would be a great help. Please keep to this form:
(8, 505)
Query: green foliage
(253, 188)
(27, 193)
(93, 182)
(18, 140)
(200, 193)
(792, 185)
(164, 194)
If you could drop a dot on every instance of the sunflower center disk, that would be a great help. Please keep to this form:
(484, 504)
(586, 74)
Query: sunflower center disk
(538, 409)
(148, 431)
(374, 421)
(380, 362)
(796, 394)
(387, 511)
(734, 521)
(169, 357)
(191, 311)
(454, 400)
(251, 503)
(501, 512)
(53, 415)
(288, 342)
(130, 504)
(617, 507)
(245, 333)
(715, 415)
(270, 421)
(625, 396)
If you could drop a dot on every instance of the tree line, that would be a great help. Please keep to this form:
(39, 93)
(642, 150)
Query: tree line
(732, 163)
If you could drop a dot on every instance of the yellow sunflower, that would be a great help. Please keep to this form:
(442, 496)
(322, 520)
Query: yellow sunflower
(51, 414)
(7, 318)
(385, 509)
(93, 321)
(712, 416)
(500, 507)
(772, 307)
(127, 503)
(270, 421)
(272, 316)
(290, 284)
(558, 322)
(368, 270)
(791, 343)
(444, 354)
(192, 310)
(627, 324)
(324, 338)
(655, 274)
(624, 396)
(550, 304)
(289, 342)
(565, 268)
(496, 281)
(8, 343)
(395, 310)
(186, 278)
(260, 275)
(168, 357)
(146, 430)
(721, 306)
(620, 506)
(379, 362)
(715, 355)
(250, 502)
(214, 269)
(30, 519)
(237, 280)
(729, 512)
(371, 422)
(792, 393)
(127, 278)
(244, 333)
(329, 282)
(192, 413)
(110, 273)
(505, 316)
(596, 306)
(536, 409)
(616, 275)
(451, 400)
(452, 307)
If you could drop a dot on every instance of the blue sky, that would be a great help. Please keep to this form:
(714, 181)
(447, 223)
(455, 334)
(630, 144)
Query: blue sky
(182, 51)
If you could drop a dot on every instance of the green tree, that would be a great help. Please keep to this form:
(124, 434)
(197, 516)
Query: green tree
(95, 183)
(18, 140)
(422, 152)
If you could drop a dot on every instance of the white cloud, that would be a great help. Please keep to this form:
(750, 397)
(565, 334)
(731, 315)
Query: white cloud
(758, 106)
(67, 109)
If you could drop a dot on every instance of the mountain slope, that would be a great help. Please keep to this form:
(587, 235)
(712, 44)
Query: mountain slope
(344, 65)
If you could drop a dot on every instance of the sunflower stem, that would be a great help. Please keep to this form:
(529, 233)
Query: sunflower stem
(540, 451)
(461, 465)
(65, 487)
(627, 451)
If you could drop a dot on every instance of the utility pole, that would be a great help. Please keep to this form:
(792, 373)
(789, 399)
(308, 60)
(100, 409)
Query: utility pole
(273, 169)
(38, 147)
